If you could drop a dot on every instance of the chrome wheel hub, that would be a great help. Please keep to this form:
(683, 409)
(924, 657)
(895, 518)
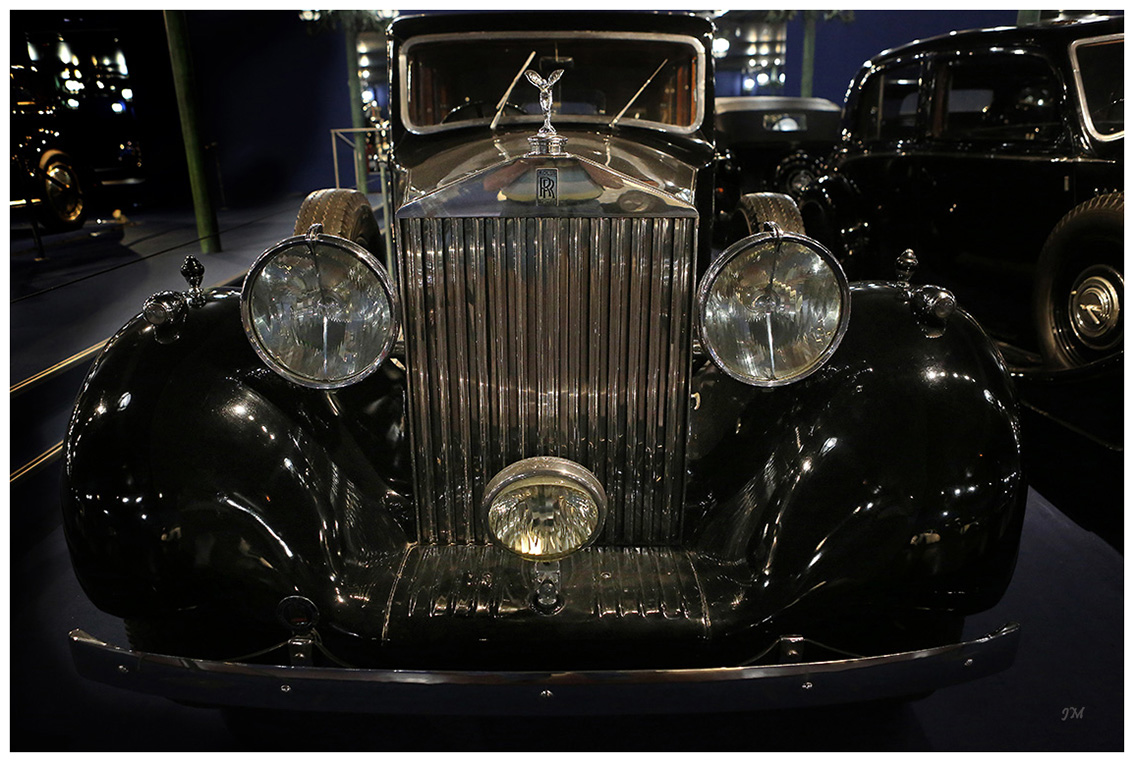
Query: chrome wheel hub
(63, 193)
(1095, 306)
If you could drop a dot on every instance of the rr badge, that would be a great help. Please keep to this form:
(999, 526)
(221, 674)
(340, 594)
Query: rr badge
(547, 186)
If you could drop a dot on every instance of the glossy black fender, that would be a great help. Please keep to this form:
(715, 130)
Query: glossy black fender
(890, 478)
(197, 479)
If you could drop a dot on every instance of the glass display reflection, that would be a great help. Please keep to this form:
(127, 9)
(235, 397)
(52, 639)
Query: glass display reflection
(322, 314)
(771, 314)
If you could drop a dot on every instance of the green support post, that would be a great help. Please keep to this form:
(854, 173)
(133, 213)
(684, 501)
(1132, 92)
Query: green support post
(185, 85)
(807, 76)
(356, 118)
(1027, 17)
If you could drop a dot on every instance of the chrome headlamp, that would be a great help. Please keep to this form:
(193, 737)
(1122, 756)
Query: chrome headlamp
(544, 508)
(773, 308)
(319, 310)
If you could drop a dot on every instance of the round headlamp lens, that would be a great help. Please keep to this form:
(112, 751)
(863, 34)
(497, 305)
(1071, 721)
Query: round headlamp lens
(773, 307)
(544, 509)
(320, 312)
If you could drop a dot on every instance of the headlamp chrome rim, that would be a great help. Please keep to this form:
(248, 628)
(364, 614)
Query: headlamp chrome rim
(545, 465)
(372, 263)
(746, 244)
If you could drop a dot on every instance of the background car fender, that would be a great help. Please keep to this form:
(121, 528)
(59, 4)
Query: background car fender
(835, 214)
(894, 473)
(197, 478)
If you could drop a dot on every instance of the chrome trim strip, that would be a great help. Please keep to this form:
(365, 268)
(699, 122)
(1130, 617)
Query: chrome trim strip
(451, 692)
(693, 42)
(1084, 113)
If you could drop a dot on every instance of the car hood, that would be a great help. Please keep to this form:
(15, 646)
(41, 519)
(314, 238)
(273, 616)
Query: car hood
(667, 168)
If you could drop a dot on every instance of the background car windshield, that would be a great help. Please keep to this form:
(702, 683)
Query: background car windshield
(453, 81)
(1100, 68)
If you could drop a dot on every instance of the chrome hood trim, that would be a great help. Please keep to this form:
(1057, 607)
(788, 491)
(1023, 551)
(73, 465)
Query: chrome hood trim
(583, 188)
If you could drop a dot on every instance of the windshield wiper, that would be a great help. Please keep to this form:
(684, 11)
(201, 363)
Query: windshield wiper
(508, 92)
(630, 103)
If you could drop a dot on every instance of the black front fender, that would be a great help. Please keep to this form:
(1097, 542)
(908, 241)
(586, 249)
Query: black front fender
(195, 477)
(892, 476)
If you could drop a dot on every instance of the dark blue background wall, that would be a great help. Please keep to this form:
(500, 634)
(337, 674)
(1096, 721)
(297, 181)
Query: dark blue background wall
(271, 91)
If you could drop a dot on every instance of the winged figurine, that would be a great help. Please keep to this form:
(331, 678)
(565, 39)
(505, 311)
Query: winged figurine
(545, 86)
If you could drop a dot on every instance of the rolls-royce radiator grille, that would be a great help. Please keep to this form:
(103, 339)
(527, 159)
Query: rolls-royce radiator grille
(548, 336)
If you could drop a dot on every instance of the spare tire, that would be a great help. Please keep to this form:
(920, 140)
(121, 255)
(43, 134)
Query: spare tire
(754, 209)
(345, 213)
(1078, 292)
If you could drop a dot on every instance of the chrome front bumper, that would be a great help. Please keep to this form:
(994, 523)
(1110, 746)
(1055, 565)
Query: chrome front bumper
(422, 692)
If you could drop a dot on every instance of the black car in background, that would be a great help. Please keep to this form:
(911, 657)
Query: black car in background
(777, 143)
(73, 128)
(996, 155)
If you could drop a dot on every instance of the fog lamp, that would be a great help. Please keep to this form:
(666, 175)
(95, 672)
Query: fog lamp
(544, 508)
(773, 308)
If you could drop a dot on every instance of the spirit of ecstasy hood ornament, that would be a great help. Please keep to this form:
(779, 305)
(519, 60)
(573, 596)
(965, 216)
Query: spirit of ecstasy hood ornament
(547, 140)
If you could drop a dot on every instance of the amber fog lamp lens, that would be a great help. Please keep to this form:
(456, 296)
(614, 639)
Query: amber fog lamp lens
(544, 509)
(320, 312)
(773, 308)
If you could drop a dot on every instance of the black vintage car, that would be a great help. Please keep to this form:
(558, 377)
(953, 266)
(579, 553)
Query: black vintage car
(565, 457)
(777, 143)
(997, 156)
(71, 138)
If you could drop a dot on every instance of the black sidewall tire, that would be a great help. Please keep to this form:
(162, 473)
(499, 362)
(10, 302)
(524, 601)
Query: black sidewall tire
(1090, 235)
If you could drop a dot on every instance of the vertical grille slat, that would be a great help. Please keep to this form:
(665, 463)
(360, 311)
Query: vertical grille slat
(599, 401)
(679, 314)
(461, 301)
(439, 311)
(480, 379)
(548, 336)
(616, 368)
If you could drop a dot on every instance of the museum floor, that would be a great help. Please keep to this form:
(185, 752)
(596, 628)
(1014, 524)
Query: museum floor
(1065, 691)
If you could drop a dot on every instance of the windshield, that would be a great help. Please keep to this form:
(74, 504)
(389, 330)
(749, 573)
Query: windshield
(450, 80)
(1098, 64)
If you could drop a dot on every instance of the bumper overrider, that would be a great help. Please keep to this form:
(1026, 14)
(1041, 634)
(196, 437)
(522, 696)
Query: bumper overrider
(583, 692)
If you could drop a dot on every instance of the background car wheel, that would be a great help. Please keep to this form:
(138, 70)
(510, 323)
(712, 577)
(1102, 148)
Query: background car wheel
(63, 206)
(1079, 284)
(755, 209)
(795, 172)
(345, 213)
(819, 221)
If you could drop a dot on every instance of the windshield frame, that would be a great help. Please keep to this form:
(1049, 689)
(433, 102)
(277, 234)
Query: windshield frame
(589, 121)
(1081, 92)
